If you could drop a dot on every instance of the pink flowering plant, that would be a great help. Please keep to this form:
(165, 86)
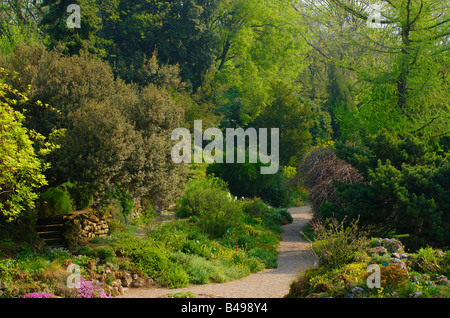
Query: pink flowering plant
(90, 289)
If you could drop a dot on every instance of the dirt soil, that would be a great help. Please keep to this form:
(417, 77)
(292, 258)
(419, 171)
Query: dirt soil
(294, 256)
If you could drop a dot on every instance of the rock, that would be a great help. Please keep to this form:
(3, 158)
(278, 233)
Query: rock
(15, 292)
(393, 245)
(138, 282)
(92, 274)
(120, 274)
(103, 277)
(396, 255)
(357, 290)
(126, 280)
(442, 280)
(380, 250)
(141, 282)
(416, 294)
(399, 263)
(116, 283)
(90, 264)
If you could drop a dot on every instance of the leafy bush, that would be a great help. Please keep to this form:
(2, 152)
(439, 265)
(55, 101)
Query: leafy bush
(187, 294)
(173, 277)
(203, 194)
(336, 282)
(196, 267)
(148, 256)
(209, 200)
(301, 286)
(54, 202)
(378, 259)
(105, 252)
(81, 195)
(173, 234)
(243, 179)
(197, 247)
(270, 217)
(217, 222)
(393, 276)
(116, 133)
(278, 193)
(58, 253)
(429, 260)
(282, 216)
(200, 270)
(255, 208)
(268, 257)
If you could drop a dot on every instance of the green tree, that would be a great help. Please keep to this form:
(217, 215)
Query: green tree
(293, 118)
(339, 99)
(54, 23)
(118, 135)
(95, 148)
(321, 129)
(403, 78)
(258, 47)
(151, 172)
(65, 83)
(21, 170)
(178, 30)
(19, 21)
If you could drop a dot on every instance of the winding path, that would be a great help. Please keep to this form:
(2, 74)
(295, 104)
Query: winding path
(294, 256)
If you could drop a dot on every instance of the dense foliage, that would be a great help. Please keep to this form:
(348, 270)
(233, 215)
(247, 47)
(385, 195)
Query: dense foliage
(21, 169)
(406, 188)
(115, 133)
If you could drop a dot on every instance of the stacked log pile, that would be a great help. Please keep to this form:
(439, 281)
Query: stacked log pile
(92, 226)
(83, 226)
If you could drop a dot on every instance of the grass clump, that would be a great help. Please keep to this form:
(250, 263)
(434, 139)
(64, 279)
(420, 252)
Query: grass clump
(337, 244)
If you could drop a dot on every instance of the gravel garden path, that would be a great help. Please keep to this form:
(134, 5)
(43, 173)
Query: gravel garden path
(294, 256)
